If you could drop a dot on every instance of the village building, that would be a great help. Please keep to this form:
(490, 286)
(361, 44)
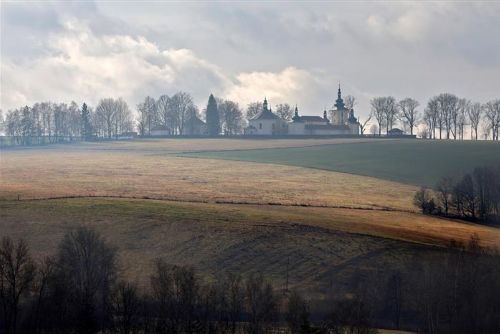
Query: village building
(344, 117)
(160, 131)
(266, 123)
(194, 126)
(395, 132)
(343, 122)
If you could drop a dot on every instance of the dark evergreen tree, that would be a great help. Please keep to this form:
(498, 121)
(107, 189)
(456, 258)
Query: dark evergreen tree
(86, 125)
(213, 121)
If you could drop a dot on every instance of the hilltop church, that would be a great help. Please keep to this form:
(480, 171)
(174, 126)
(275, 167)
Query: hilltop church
(343, 122)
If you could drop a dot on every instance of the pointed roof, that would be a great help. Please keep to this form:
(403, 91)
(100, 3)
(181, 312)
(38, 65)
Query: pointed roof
(265, 113)
(339, 103)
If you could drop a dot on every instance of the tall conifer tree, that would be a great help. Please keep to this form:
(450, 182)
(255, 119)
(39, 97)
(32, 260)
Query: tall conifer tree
(213, 121)
(86, 125)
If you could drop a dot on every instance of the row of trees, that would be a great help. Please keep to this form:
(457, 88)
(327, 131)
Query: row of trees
(175, 113)
(474, 196)
(80, 290)
(445, 116)
(67, 122)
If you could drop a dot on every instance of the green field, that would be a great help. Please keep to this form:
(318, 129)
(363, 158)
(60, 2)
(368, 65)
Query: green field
(417, 162)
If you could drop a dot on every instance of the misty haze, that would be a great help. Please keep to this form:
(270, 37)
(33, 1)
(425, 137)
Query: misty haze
(249, 167)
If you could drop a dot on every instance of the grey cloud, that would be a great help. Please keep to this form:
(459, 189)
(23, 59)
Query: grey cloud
(412, 49)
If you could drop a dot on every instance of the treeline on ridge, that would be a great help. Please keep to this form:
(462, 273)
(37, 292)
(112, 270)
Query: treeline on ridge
(445, 116)
(80, 290)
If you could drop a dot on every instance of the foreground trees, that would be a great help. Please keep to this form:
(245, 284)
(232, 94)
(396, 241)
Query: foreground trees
(17, 272)
(79, 291)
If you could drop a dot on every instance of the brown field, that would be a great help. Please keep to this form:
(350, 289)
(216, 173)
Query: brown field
(222, 215)
(55, 173)
(215, 238)
(181, 145)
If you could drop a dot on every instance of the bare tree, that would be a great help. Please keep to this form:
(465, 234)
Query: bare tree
(463, 106)
(181, 104)
(409, 113)
(147, 115)
(253, 109)
(297, 315)
(431, 116)
(261, 303)
(364, 124)
(391, 112)
(163, 111)
(126, 307)
(492, 115)
(105, 111)
(235, 298)
(474, 112)
(44, 283)
(87, 270)
(447, 114)
(231, 117)
(284, 111)
(444, 189)
(378, 111)
(122, 118)
(350, 102)
(17, 272)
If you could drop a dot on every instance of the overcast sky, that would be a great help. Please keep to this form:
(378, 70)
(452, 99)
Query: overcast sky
(295, 52)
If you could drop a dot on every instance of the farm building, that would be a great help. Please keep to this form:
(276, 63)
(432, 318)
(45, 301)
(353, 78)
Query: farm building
(395, 132)
(160, 130)
(194, 126)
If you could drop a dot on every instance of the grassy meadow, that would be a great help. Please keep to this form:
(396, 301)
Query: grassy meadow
(417, 162)
(210, 209)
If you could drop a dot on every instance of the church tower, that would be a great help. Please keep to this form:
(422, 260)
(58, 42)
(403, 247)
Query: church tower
(340, 114)
(339, 103)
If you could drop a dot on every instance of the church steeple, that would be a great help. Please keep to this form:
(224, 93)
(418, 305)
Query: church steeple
(325, 116)
(339, 103)
(264, 105)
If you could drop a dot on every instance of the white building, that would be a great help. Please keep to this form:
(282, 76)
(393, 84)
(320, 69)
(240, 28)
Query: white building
(343, 122)
(342, 116)
(265, 123)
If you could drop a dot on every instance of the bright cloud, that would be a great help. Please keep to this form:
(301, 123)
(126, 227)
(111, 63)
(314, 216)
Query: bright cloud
(85, 67)
(297, 53)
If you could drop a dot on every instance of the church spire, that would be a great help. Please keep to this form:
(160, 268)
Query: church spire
(339, 103)
(264, 105)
